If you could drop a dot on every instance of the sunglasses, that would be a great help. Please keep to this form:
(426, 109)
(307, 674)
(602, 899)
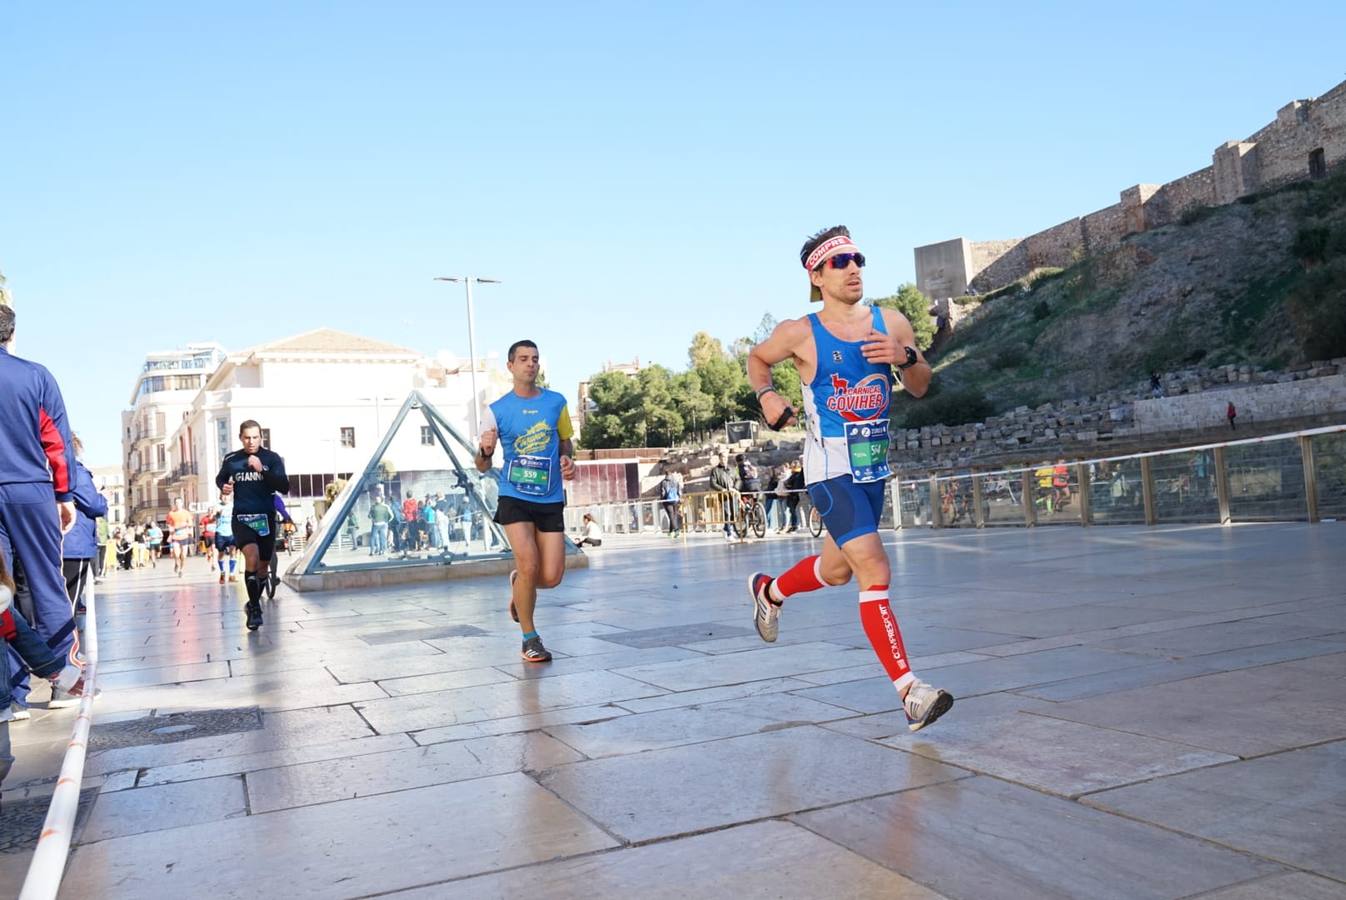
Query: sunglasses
(842, 260)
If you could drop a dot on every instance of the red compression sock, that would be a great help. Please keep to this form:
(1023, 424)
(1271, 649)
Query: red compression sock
(804, 576)
(880, 625)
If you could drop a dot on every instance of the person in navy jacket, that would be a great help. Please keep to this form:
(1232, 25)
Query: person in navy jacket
(37, 470)
(80, 550)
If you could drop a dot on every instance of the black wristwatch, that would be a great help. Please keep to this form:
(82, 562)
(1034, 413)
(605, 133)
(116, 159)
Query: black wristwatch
(912, 358)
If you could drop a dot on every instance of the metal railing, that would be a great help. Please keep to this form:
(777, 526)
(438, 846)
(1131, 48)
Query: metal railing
(1296, 476)
(53, 844)
(704, 511)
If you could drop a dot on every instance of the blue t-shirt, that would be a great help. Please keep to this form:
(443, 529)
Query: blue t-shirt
(530, 433)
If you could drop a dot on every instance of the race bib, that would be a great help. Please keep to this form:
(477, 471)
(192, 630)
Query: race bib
(182, 534)
(260, 523)
(867, 447)
(530, 475)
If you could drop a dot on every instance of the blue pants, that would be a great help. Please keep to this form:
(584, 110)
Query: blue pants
(30, 532)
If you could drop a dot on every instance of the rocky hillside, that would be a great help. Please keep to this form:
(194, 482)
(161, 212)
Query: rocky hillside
(1260, 282)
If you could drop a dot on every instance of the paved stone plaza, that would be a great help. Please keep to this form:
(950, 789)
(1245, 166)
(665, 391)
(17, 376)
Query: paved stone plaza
(1141, 713)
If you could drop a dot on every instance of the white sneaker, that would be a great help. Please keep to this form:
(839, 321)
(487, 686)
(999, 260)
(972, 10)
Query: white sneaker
(924, 704)
(766, 614)
(19, 713)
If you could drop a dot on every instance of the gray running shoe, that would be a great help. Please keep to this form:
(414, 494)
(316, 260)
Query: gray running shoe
(534, 652)
(765, 611)
(924, 704)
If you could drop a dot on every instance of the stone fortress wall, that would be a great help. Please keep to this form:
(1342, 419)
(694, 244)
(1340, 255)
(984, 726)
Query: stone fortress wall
(1307, 140)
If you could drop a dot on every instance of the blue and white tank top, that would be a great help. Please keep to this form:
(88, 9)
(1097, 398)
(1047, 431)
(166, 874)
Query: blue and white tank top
(846, 409)
(531, 430)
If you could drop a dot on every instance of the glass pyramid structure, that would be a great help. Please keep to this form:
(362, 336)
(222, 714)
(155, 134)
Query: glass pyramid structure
(419, 500)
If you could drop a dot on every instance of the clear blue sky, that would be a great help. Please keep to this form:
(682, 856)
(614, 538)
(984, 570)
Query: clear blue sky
(633, 172)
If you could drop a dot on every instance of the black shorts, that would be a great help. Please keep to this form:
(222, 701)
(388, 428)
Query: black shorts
(547, 517)
(245, 535)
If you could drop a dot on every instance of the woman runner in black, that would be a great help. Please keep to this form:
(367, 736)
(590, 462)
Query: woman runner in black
(253, 475)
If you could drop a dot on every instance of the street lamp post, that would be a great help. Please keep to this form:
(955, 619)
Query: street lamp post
(467, 281)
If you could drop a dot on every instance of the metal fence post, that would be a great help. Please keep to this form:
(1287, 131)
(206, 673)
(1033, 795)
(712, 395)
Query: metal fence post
(1147, 490)
(936, 504)
(1222, 486)
(895, 490)
(1030, 511)
(1310, 476)
(1082, 482)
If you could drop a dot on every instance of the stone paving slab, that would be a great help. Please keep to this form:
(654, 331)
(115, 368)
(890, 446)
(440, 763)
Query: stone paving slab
(1054, 755)
(327, 851)
(399, 770)
(735, 780)
(1290, 807)
(766, 860)
(1110, 681)
(1277, 707)
(267, 759)
(163, 807)
(415, 712)
(694, 724)
(983, 839)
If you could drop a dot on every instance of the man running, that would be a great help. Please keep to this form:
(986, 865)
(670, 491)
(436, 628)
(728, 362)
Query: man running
(533, 424)
(180, 535)
(845, 356)
(225, 548)
(252, 476)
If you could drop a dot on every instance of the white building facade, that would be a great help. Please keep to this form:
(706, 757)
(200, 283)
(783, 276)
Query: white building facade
(111, 483)
(324, 400)
(164, 390)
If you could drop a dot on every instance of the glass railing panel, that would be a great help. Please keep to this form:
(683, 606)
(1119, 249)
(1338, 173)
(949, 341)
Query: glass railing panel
(1002, 498)
(1184, 486)
(1266, 481)
(1115, 496)
(955, 502)
(1329, 463)
(1056, 492)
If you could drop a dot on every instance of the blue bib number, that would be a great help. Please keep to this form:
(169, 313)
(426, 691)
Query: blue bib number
(867, 447)
(530, 475)
(260, 523)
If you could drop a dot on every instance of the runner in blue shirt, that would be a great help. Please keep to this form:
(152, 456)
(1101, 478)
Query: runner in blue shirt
(846, 356)
(532, 424)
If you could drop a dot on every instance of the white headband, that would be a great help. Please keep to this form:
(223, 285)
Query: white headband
(830, 247)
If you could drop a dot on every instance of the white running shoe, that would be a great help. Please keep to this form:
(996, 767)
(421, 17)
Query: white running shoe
(924, 704)
(765, 613)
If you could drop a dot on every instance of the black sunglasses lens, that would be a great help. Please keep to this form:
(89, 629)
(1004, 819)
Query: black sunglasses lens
(842, 260)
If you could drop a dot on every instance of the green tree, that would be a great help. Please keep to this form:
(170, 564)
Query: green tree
(911, 303)
(704, 349)
(694, 405)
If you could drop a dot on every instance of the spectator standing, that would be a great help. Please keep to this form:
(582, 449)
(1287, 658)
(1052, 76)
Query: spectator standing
(380, 515)
(79, 550)
(1230, 412)
(102, 534)
(725, 481)
(37, 506)
(670, 498)
(795, 485)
